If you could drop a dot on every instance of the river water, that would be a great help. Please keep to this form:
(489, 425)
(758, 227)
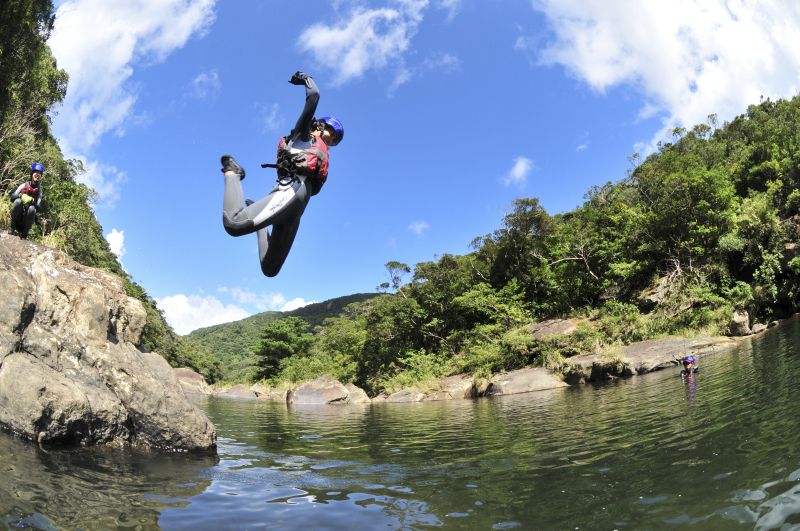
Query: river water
(651, 452)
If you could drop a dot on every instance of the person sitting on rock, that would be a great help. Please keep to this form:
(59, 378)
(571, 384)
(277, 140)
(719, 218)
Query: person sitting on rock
(689, 367)
(27, 200)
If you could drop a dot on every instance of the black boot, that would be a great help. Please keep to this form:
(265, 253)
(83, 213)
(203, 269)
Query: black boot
(230, 164)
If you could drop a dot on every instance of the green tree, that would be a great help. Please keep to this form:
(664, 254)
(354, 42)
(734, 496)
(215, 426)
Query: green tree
(281, 339)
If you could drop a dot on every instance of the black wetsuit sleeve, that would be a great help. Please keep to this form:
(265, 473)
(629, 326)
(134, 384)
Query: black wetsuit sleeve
(303, 126)
(15, 195)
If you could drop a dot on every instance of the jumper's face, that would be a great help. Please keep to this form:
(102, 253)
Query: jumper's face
(328, 135)
(36, 176)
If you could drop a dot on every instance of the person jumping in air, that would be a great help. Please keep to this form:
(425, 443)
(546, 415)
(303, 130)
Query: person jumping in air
(302, 167)
(27, 200)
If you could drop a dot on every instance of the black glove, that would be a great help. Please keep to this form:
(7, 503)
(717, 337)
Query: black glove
(299, 78)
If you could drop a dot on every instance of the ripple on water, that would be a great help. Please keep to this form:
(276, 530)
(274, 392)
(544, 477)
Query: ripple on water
(649, 452)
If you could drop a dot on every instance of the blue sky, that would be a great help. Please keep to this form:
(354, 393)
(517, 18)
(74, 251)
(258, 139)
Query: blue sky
(452, 109)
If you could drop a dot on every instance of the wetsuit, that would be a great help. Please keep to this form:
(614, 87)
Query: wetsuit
(22, 216)
(285, 204)
(687, 372)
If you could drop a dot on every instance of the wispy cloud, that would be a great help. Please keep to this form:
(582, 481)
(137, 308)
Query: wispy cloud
(205, 86)
(106, 180)
(687, 59)
(270, 116)
(263, 302)
(418, 227)
(374, 39)
(116, 241)
(519, 172)
(100, 44)
(190, 312)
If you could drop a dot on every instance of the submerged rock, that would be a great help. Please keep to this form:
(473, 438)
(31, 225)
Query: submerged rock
(70, 371)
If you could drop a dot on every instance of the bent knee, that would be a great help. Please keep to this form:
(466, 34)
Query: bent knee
(237, 228)
(270, 270)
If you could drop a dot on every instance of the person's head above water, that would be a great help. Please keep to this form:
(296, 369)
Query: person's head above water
(330, 130)
(688, 362)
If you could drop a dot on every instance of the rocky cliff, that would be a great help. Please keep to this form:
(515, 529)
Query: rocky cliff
(70, 371)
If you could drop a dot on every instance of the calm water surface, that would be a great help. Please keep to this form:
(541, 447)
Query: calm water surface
(652, 452)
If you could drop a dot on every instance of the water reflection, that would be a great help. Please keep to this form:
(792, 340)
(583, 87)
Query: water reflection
(717, 452)
(93, 488)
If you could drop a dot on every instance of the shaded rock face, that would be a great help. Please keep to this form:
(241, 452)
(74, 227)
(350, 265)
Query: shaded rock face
(69, 368)
(356, 395)
(740, 323)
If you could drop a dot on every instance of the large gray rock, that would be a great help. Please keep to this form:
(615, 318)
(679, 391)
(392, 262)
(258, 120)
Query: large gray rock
(553, 327)
(192, 382)
(70, 371)
(405, 395)
(454, 387)
(740, 323)
(322, 390)
(237, 391)
(640, 358)
(356, 395)
(523, 381)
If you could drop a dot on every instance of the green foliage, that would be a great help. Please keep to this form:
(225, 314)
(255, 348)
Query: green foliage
(30, 85)
(281, 339)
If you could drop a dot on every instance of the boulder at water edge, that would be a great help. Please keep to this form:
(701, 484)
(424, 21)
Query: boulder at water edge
(70, 371)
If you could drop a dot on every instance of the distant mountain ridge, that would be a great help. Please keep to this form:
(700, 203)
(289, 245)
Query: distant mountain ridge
(231, 341)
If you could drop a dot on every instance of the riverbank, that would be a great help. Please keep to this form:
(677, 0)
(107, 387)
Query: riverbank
(627, 361)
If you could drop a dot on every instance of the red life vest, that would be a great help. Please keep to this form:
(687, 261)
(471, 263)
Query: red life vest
(311, 161)
(30, 190)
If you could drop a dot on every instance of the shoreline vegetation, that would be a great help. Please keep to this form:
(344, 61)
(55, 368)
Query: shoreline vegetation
(699, 239)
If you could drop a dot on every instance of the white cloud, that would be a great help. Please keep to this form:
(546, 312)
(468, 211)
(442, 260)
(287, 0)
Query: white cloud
(263, 302)
(369, 39)
(294, 304)
(116, 241)
(99, 43)
(104, 179)
(519, 172)
(582, 147)
(270, 117)
(418, 227)
(688, 58)
(186, 313)
(206, 85)
(451, 6)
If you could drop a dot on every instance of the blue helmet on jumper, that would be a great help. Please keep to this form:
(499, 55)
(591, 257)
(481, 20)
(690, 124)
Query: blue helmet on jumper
(336, 125)
(37, 167)
(688, 359)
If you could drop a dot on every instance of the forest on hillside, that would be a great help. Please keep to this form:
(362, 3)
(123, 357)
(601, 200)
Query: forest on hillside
(705, 226)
